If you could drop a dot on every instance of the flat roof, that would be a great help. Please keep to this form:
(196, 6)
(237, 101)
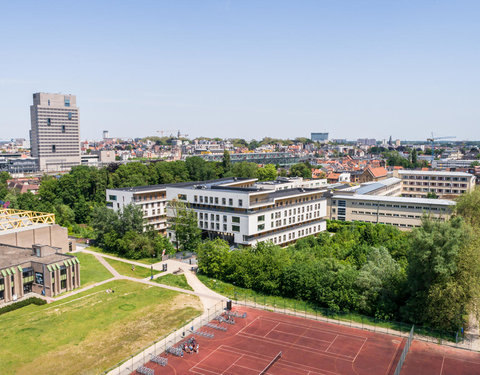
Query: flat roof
(12, 256)
(438, 173)
(192, 184)
(385, 198)
(367, 188)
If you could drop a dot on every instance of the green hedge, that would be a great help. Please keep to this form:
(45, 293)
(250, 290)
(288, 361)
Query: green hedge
(18, 305)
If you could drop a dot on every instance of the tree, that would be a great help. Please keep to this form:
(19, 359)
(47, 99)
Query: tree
(434, 257)
(226, 163)
(214, 258)
(267, 173)
(244, 170)
(468, 207)
(300, 170)
(183, 222)
(414, 157)
(474, 164)
(432, 195)
(376, 282)
(4, 176)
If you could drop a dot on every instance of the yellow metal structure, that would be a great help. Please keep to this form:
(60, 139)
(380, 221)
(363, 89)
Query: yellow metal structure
(15, 219)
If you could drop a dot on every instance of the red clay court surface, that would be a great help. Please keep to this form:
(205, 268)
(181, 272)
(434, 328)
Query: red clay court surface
(311, 348)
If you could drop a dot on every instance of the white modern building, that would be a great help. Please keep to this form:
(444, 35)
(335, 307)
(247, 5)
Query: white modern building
(151, 199)
(55, 131)
(245, 212)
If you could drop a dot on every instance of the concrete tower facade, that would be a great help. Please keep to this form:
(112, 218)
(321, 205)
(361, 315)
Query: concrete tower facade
(55, 132)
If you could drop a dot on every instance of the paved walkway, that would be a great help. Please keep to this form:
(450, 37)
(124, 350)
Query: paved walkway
(208, 297)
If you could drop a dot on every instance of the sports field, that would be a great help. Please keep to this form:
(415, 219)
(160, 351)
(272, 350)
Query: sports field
(307, 347)
(91, 331)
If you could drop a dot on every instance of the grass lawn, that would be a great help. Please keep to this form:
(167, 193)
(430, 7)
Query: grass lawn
(147, 261)
(179, 281)
(125, 269)
(91, 270)
(91, 331)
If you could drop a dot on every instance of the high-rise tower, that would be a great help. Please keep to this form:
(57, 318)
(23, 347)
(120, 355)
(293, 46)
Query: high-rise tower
(55, 132)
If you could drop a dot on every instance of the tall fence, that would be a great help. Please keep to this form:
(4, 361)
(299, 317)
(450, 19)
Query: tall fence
(351, 319)
(404, 352)
(143, 356)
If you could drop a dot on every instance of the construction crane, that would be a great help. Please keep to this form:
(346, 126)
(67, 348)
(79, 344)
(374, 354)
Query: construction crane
(162, 132)
(181, 135)
(433, 140)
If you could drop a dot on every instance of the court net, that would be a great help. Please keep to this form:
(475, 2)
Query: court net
(404, 352)
(277, 357)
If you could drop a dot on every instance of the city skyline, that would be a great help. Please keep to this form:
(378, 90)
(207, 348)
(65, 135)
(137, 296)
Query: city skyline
(247, 70)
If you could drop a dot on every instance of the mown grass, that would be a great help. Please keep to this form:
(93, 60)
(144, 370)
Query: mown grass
(147, 261)
(179, 281)
(125, 268)
(91, 331)
(91, 270)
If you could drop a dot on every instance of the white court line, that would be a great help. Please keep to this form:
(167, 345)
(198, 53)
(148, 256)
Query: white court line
(284, 362)
(331, 343)
(360, 350)
(271, 330)
(312, 327)
(249, 324)
(441, 368)
(308, 337)
(213, 351)
(241, 356)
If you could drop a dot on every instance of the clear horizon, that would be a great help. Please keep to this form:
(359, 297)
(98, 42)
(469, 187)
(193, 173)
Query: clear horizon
(246, 69)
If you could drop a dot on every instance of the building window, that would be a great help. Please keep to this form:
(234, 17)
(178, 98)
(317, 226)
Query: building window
(63, 128)
(49, 121)
(261, 227)
(54, 148)
(240, 202)
(39, 278)
(112, 197)
(69, 115)
(48, 101)
(230, 201)
(224, 201)
(67, 102)
(235, 219)
(235, 228)
(182, 197)
(261, 218)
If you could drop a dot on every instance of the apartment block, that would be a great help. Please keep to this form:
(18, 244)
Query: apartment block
(151, 199)
(55, 131)
(443, 183)
(244, 212)
(402, 212)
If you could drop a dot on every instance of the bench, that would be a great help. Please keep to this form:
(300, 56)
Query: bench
(145, 371)
(160, 360)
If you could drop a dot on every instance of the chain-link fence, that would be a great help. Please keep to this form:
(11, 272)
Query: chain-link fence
(404, 352)
(156, 348)
(352, 319)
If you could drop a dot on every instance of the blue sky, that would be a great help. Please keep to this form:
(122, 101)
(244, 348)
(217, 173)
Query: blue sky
(246, 68)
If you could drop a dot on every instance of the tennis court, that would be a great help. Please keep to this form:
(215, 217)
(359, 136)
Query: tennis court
(253, 344)
(431, 359)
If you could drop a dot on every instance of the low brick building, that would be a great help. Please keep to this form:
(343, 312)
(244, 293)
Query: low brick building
(41, 269)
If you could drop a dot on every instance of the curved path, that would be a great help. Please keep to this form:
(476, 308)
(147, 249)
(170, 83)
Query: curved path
(208, 297)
